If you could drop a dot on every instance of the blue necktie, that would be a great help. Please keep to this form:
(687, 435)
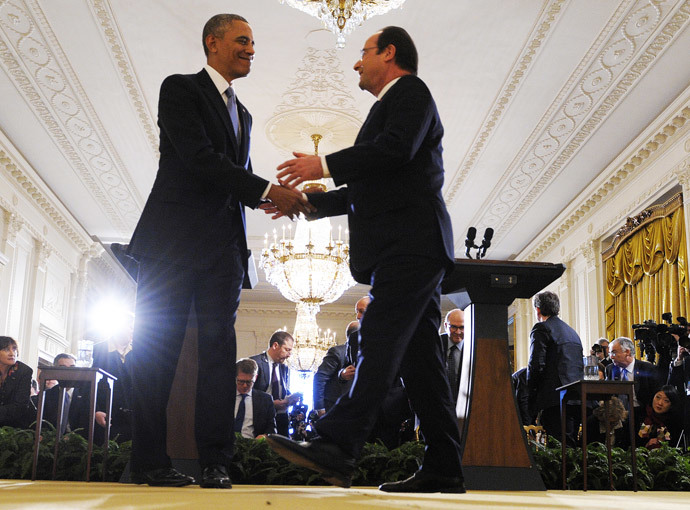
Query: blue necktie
(239, 419)
(232, 110)
(624, 398)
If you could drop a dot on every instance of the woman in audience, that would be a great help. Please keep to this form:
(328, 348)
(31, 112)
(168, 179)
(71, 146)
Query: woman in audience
(15, 386)
(662, 422)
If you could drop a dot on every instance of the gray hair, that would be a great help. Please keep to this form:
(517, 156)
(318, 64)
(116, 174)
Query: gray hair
(626, 344)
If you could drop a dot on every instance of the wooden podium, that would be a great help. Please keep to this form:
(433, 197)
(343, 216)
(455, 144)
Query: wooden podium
(495, 453)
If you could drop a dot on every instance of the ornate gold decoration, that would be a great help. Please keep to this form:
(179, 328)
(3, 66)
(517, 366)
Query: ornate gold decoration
(342, 16)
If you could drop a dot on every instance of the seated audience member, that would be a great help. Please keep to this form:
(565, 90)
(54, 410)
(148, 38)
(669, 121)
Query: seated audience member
(114, 358)
(647, 382)
(606, 358)
(255, 414)
(555, 360)
(274, 376)
(15, 387)
(679, 376)
(76, 403)
(661, 422)
(332, 378)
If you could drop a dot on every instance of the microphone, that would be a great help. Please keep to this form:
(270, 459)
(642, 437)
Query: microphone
(469, 241)
(486, 242)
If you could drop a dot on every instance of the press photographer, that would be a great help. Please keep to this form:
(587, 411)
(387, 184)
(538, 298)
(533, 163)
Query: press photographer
(661, 339)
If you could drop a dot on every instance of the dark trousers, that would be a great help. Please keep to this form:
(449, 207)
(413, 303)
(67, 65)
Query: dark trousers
(165, 295)
(551, 421)
(399, 334)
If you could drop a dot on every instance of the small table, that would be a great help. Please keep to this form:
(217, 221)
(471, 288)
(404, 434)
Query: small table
(68, 377)
(598, 390)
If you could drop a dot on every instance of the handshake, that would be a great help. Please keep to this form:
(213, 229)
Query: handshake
(284, 199)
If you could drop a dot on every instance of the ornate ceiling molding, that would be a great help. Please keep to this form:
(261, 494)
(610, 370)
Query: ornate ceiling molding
(623, 59)
(673, 130)
(105, 20)
(520, 70)
(35, 191)
(33, 59)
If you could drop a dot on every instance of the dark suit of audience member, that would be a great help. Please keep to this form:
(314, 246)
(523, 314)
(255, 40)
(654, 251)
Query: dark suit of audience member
(15, 394)
(76, 405)
(279, 389)
(679, 376)
(555, 360)
(452, 343)
(327, 383)
(262, 416)
(121, 417)
(521, 390)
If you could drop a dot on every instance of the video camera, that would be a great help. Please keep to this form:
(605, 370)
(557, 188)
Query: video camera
(659, 338)
(301, 422)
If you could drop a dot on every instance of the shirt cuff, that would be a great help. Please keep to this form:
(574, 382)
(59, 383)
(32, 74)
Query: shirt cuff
(324, 166)
(265, 193)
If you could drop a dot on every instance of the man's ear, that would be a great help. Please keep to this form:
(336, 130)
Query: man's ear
(389, 53)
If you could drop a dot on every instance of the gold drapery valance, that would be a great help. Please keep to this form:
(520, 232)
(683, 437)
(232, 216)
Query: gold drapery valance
(646, 271)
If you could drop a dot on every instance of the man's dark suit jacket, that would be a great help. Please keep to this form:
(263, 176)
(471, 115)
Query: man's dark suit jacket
(264, 413)
(454, 385)
(648, 381)
(394, 177)
(204, 176)
(555, 359)
(263, 378)
(327, 385)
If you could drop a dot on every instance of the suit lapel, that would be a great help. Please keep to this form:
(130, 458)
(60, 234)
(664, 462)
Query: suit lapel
(211, 92)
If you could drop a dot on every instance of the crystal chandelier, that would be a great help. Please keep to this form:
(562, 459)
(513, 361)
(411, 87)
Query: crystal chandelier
(310, 269)
(342, 16)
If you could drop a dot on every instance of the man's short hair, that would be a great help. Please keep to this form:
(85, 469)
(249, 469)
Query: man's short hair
(247, 366)
(63, 355)
(351, 328)
(217, 26)
(626, 344)
(405, 51)
(603, 340)
(280, 337)
(548, 303)
(7, 341)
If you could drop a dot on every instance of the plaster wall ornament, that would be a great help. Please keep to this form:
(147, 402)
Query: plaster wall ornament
(536, 41)
(639, 36)
(106, 22)
(620, 175)
(43, 251)
(31, 56)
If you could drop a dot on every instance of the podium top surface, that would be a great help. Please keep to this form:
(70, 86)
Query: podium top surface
(497, 281)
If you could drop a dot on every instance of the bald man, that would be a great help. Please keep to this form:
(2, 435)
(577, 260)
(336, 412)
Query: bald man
(452, 341)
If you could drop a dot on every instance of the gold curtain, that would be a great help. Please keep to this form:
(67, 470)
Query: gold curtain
(647, 276)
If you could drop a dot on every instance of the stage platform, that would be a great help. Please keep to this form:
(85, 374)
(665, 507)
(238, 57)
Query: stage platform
(44, 495)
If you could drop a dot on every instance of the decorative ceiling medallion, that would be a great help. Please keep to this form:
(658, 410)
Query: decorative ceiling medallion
(293, 130)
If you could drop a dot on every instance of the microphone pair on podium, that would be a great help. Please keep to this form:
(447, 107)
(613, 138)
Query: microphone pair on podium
(481, 249)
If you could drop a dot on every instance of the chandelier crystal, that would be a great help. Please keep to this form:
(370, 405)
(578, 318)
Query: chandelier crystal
(342, 16)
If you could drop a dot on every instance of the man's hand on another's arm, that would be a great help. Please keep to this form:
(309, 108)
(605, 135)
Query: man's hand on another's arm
(286, 202)
(306, 167)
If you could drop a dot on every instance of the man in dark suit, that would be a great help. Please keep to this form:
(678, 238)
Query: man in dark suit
(274, 376)
(353, 338)
(191, 247)
(401, 244)
(648, 380)
(452, 342)
(555, 359)
(328, 381)
(255, 414)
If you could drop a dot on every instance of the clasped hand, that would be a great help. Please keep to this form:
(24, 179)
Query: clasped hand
(285, 200)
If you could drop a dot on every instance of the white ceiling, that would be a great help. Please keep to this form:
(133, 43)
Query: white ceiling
(536, 97)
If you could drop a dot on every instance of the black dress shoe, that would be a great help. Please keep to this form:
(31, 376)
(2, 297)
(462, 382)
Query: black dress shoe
(423, 482)
(215, 477)
(321, 455)
(163, 477)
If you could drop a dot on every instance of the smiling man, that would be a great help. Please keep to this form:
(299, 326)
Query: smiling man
(191, 246)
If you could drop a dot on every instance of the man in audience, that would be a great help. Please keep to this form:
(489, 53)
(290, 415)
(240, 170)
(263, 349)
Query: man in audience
(453, 341)
(606, 359)
(274, 376)
(647, 379)
(75, 408)
(255, 414)
(330, 380)
(679, 376)
(555, 360)
(353, 338)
